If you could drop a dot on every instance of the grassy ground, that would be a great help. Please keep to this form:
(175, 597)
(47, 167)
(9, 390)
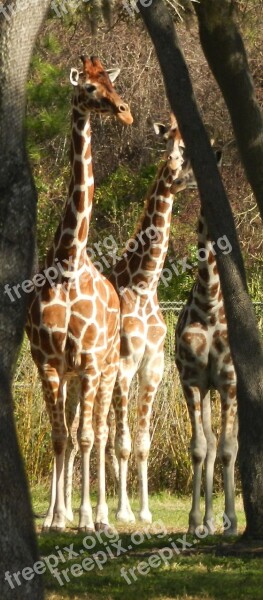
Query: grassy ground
(157, 562)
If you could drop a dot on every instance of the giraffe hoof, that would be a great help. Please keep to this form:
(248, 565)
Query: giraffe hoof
(145, 516)
(69, 516)
(230, 531)
(45, 528)
(102, 527)
(124, 516)
(86, 529)
(209, 527)
(57, 528)
(195, 529)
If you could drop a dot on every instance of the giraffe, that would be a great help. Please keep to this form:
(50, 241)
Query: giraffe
(135, 278)
(204, 361)
(73, 317)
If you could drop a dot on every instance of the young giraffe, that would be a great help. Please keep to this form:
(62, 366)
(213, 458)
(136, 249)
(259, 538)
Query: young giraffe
(143, 330)
(204, 361)
(73, 321)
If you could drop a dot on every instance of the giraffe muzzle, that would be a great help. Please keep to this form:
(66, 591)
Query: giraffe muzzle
(124, 114)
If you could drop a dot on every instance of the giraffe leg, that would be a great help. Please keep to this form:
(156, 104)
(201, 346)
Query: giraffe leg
(111, 458)
(49, 516)
(150, 375)
(89, 387)
(71, 451)
(209, 462)
(227, 451)
(72, 418)
(101, 409)
(55, 394)
(198, 448)
(127, 369)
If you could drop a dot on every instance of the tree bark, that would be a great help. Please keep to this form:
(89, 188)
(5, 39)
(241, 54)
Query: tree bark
(244, 336)
(226, 55)
(19, 24)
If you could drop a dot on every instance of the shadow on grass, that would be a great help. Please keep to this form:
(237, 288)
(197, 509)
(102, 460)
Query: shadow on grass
(156, 567)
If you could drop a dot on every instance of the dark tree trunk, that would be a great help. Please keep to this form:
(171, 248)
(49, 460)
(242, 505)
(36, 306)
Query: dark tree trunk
(19, 24)
(224, 49)
(244, 336)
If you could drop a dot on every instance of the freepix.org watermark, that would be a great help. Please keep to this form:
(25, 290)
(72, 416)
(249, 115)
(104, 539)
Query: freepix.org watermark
(104, 255)
(113, 547)
(63, 269)
(105, 248)
(60, 7)
(109, 540)
(63, 7)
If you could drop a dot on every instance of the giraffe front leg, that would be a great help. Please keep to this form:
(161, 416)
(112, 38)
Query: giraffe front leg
(227, 451)
(89, 386)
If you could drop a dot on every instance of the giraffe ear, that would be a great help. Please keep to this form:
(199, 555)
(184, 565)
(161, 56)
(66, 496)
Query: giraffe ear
(74, 76)
(219, 157)
(160, 130)
(113, 73)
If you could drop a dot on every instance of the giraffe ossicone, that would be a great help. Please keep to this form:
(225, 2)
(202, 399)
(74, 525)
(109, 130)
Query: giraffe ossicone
(73, 322)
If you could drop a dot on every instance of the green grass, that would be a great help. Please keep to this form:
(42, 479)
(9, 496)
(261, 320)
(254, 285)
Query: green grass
(196, 573)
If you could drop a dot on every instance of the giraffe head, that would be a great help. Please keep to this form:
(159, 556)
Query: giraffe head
(185, 177)
(94, 91)
(175, 150)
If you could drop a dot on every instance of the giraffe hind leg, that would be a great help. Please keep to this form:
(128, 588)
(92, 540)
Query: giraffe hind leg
(227, 450)
(49, 515)
(127, 369)
(101, 409)
(198, 449)
(111, 458)
(209, 463)
(54, 390)
(72, 418)
(89, 386)
(150, 376)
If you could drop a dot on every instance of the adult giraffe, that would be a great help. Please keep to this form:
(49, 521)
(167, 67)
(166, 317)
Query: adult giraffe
(73, 320)
(204, 361)
(135, 279)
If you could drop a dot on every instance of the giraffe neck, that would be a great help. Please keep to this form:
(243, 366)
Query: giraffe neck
(72, 233)
(207, 286)
(143, 258)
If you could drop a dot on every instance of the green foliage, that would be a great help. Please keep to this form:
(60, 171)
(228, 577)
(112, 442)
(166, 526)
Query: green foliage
(52, 196)
(255, 283)
(255, 286)
(48, 106)
(52, 44)
(120, 199)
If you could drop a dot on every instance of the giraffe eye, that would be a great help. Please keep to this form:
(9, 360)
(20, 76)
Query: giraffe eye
(90, 88)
